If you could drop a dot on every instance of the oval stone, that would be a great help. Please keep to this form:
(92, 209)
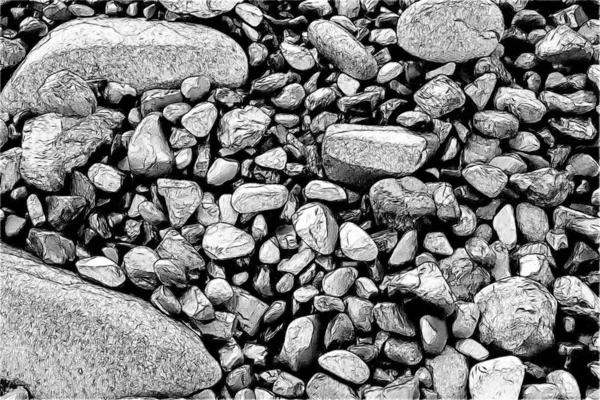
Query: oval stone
(143, 54)
(450, 30)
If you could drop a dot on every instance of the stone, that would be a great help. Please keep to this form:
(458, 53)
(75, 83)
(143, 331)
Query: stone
(148, 153)
(578, 222)
(497, 379)
(472, 349)
(402, 352)
(495, 124)
(480, 91)
(200, 8)
(241, 128)
(275, 158)
(223, 241)
(221, 171)
(143, 54)
(195, 88)
(106, 177)
(342, 49)
(257, 197)
(181, 197)
(300, 344)
(563, 45)
(440, 96)
(573, 127)
(434, 334)
(321, 386)
(63, 211)
(101, 270)
(51, 247)
(164, 299)
(402, 204)
(195, 305)
(356, 244)
(520, 102)
(315, 224)
(218, 291)
(10, 171)
(450, 31)
(12, 52)
(170, 273)
(139, 266)
(53, 145)
(532, 222)
(545, 187)
(67, 94)
(576, 298)
(437, 243)
(566, 384)
(35, 210)
(176, 248)
(487, 179)
(539, 391)
(517, 316)
(248, 309)
(200, 120)
(450, 373)
(464, 277)
(84, 317)
(345, 365)
(359, 155)
(391, 317)
(325, 191)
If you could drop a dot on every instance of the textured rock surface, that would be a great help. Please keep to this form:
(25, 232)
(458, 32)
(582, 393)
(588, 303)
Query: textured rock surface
(450, 30)
(359, 155)
(497, 379)
(82, 320)
(142, 54)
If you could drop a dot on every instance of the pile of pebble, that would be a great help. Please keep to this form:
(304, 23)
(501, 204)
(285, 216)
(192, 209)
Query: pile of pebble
(352, 199)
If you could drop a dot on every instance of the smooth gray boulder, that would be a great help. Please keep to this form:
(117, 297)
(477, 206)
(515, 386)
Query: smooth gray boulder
(143, 54)
(63, 337)
(359, 155)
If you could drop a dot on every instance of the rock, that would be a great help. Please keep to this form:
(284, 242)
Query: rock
(465, 322)
(63, 211)
(176, 248)
(181, 197)
(241, 128)
(545, 187)
(437, 243)
(275, 158)
(480, 91)
(148, 153)
(440, 96)
(200, 8)
(495, 124)
(356, 244)
(84, 317)
(563, 45)
(298, 57)
(139, 266)
(517, 316)
(402, 203)
(67, 94)
(300, 345)
(402, 352)
(106, 177)
(539, 391)
(450, 31)
(200, 120)
(315, 224)
(532, 222)
(566, 384)
(497, 379)
(576, 128)
(51, 247)
(578, 222)
(359, 155)
(487, 179)
(346, 366)
(450, 373)
(53, 145)
(434, 334)
(223, 241)
(248, 309)
(257, 197)
(338, 282)
(10, 171)
(221, 171)
(321, 386)
(405, 250)
(472, 349)
(12, 52)
(324, 191)
(520, 102)
(391, 317)
(342, 49)
(143, 54)
(101, 270)
(576, 298)
(464, 277)
(195, 305)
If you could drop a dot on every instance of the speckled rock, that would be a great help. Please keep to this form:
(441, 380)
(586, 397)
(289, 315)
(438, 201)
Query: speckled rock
(82, 319)
(143, 54)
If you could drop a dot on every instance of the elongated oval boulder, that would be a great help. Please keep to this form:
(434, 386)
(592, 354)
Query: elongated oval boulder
(63, 337)
(143, 54)
(450, 30)
(359, 155)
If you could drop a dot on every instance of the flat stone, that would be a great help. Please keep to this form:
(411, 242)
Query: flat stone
(517, 316)
(143, 54)
(54, 145)
(346, 366)
(83, 318)
(443, 31)
(497, 379)
(342, 49)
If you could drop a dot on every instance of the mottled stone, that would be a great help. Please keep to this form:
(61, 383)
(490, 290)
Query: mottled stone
(83, 318)
(143, 54)
(517, 316)
(359, 155)
(450, 31)
(53, 145)
(342, 49)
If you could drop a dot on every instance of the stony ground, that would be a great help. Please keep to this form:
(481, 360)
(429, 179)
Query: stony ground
(375, 199)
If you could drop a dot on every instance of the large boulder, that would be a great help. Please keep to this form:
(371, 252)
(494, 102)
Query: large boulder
(63, 337)
(517, 316)
(450, 30)
(143, 54)
(359, 155)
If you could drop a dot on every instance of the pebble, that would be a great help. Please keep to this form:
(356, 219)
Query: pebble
(322, 386)
(496, 124)
(505, 226)
(496, 379)
(148, 153)
(241, 128)
(450, 372)
(440, 96)
(472, 349)
(256, 197)
(275, 158)
(566, 384)
(356, 244)
(68, 94)
(300, 344)
(522, 103)
(480, 91)
(101, 270)
(51, 247)
(223, 241)
(575, 297)
(138, 264)
(171, 273)
(402, 352)
(487, 179)
(391, 317)
(298, 57)
(315, 224)
(434, 334)
(346, 366)
(195, 305)
(64, 211)
(221, 171)
(465, 322)
(545, 187)
(200, 120)
(563, 44)
(437, 243)
(106, 178)
(532, 222)
(181, 197)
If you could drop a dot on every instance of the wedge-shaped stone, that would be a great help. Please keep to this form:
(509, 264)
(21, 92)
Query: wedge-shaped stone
(143, 54)
(104, 343)
(359, 155)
